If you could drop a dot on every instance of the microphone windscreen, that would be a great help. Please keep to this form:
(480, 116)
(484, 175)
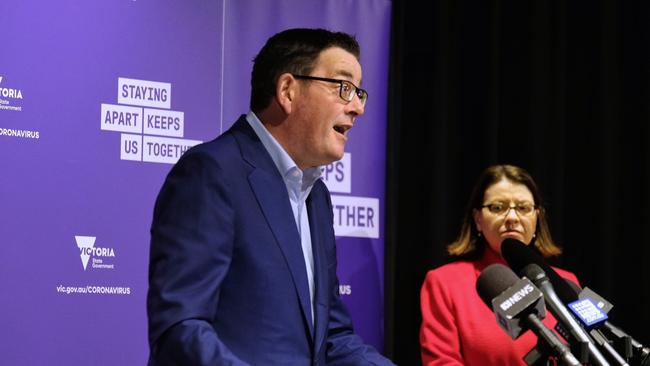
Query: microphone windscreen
(494, 280)
(518, 255)
(533, 272)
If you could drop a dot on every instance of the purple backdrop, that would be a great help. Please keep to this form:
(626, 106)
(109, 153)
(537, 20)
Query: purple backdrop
(97, 99)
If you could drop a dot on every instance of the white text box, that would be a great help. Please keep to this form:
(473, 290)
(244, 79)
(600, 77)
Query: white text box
(338, 175)
(121, 118)
(144, 93)
(163, 122)
(131, 147)
(356, 216)
(165, 149)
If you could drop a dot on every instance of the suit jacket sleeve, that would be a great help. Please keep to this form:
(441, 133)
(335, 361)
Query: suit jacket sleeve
(191, 249)
(343, 346)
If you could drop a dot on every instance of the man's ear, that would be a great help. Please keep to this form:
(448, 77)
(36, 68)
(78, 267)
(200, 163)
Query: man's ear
(285, 90)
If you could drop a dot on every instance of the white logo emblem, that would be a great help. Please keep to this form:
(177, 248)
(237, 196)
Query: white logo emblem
(85, 244)
(99, 255)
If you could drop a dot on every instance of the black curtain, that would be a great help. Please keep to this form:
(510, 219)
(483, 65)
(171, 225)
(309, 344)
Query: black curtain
(560, 88)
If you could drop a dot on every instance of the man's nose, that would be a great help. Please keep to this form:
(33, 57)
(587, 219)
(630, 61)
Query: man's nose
(356, 107)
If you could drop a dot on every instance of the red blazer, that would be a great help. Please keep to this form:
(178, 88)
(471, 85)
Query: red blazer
(459, 329)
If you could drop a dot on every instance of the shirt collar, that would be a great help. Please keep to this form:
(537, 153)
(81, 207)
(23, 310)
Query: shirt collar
(287, 167)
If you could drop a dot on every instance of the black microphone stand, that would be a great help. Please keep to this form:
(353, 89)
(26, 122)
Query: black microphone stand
(547, 346)
(633, 351)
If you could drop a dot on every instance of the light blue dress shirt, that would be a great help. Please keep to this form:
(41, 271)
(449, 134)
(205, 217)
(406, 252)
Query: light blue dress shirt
(299, 183)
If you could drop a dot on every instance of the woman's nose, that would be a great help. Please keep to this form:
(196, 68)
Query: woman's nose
(511, 215)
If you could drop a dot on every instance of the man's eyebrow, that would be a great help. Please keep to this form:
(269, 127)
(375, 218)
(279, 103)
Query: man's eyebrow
(346, 74)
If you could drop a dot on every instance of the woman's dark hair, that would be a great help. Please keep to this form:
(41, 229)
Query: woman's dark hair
(468, 242)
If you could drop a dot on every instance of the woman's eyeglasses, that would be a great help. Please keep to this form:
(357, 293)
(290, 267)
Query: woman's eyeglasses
(500, 208)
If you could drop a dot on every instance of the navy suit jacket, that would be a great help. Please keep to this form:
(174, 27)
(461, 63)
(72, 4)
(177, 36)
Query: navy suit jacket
(227, 277)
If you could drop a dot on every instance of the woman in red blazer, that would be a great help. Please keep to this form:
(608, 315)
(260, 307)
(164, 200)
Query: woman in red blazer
(457, 327)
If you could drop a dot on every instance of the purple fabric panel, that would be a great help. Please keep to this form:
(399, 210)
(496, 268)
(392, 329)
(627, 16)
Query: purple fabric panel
(65, 57)
(62, 176)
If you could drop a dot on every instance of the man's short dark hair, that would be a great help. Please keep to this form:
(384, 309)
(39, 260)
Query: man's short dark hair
(294, 51)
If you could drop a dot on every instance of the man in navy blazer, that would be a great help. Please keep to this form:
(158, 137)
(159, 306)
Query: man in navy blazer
(243, 258)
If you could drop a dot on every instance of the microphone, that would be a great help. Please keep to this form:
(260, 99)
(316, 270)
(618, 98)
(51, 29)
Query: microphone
(529, 263)
(591, 316)
(631, 347)
(562, 314)
(518, 255)
(519, 306)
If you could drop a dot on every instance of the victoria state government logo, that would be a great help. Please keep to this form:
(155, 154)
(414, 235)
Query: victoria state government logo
(99, 257)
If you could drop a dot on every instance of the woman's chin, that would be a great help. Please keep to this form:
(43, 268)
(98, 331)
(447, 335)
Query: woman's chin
(516, 236)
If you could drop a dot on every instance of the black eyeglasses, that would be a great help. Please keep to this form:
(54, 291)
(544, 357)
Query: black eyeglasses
(347, 90)
(500, 208)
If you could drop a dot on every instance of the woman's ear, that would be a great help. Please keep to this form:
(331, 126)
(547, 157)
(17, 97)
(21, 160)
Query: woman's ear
(476, 214)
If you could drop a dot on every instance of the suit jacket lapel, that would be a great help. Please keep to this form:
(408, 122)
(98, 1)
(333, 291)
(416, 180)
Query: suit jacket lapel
(321, 275)
(271, 193)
